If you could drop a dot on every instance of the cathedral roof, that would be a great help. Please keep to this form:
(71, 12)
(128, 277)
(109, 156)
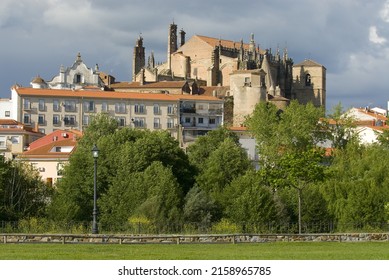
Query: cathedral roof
(309, 62)
(214, 42)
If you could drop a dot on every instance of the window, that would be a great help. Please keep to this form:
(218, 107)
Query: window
(15, 140)
(247, 82)
(212, 121)
(170, 123)
(157, 123)
(308, 80)
(104, 107)
(58, 149)
(41, 119)
(139, 122)
(89, 106)
(170, 109)
(70, 106)
(56, 105)
(42, 106)
(201, 120)
(85, 120)
(56, 120)
(7, 113)
(139, 108)
(70, 120)
(187, 120)
(157, 111)
(26, 119)
(26, 104)
(121, 121)
(78, 79)
(120, 108)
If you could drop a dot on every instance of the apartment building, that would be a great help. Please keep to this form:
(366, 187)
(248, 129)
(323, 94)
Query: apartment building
(185, 116)
(15, 137)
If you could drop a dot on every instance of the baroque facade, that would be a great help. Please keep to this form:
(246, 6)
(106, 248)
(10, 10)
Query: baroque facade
(75, 77)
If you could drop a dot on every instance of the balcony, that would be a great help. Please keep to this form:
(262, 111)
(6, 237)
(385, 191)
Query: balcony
(188, 110)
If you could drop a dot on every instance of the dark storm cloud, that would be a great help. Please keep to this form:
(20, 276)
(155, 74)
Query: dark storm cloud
(348, 37)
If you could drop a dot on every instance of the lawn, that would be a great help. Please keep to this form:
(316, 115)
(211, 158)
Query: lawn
(252, 251)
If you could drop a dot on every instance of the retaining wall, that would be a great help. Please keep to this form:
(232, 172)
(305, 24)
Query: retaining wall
(185, 239)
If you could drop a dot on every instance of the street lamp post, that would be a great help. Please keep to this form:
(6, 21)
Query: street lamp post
(95, 154)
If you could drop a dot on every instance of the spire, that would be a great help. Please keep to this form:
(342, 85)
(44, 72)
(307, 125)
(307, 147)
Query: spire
(151, 61)
(278, 54)
(285, 54)
(78, 59)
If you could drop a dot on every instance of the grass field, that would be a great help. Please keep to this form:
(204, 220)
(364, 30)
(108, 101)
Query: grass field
(258, 251)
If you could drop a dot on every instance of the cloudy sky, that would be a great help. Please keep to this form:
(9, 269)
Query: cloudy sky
(349, 37)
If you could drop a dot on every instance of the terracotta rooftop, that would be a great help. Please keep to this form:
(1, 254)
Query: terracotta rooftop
(372, 114)
(225, 43)
(162, 84)
(9, 122)
(109, 95)
(44, 151)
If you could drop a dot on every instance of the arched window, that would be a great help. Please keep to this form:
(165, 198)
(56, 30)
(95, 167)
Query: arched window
(308, 80)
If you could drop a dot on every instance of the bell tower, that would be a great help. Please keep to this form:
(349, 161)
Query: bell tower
(172, 43)
(138, 58)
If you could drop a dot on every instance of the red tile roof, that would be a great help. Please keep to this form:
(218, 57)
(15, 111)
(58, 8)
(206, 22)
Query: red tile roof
(42, 147)
(214, 42)
(109, 95)
(161, 84)
(45, 151)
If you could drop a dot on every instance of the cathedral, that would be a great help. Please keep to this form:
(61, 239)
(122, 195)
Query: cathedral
(249, 74)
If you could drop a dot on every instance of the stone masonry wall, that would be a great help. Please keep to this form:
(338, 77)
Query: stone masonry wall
(185, 239)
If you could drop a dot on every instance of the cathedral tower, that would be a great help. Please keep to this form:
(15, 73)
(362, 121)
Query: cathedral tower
(138, 59)
(309, 84)
(172, 43)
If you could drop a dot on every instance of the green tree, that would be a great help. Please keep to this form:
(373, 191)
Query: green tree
(287, 145)
(22, 192)
(199, 207)
(358, 190)
(383, 138)
(223, 165)
(340, 127)
(252, 203)
(153, 193)
(199, 151)
(122, 152)
(299, 170)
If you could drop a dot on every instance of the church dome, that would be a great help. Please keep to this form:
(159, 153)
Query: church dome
(38, 82)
